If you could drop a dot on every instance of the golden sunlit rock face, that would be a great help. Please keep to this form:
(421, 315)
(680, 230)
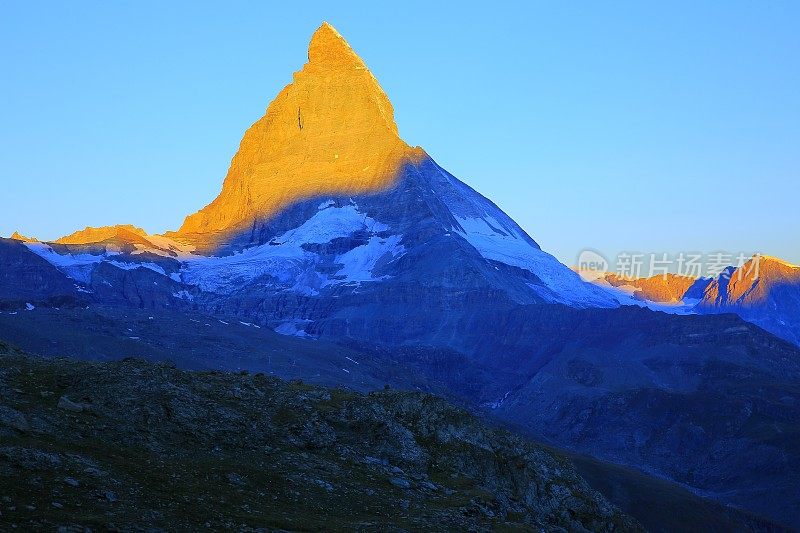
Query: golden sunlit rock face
(17, 236)
(751, 284)
(331, 131)
(126, 232)
(668, 288)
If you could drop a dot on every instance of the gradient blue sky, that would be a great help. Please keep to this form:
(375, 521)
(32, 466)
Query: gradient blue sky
(618, 126)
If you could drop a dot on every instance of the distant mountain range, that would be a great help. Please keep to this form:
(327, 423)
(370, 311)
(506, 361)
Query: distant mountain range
(338, 254)
(764, 290)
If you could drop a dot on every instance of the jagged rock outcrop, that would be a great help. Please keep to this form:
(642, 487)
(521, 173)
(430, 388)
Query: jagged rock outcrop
(17, 236)
(756, 283)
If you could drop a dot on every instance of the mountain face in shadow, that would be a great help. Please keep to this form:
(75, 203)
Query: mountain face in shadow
(147, 446)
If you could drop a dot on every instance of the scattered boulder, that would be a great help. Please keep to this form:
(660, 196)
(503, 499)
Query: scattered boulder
(400, 482)
(68, 405)
(14, 419)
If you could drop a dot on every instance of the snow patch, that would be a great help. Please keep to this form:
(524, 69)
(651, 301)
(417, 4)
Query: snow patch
(77, 266)
(330, 224)
(284, 261)
(291, 328)
(222, 274)
(124, 265)
(183, 295)
(499, 242)
(498, 403)
(624, 294)
(358, 263)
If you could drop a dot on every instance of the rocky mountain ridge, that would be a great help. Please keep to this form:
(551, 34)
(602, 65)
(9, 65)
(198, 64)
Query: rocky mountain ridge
(131, 445)
(764, 290)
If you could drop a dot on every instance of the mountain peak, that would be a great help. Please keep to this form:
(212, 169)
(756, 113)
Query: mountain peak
(328, 47)
(775, 261)
(330, 131)
(17, 236)
(91, 235)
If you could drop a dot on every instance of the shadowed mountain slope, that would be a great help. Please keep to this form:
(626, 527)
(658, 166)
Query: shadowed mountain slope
(132, 446)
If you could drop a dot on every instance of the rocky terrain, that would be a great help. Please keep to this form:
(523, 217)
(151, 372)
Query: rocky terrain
(707, 401)
(134, 446)
(711, 404)
(330, 131)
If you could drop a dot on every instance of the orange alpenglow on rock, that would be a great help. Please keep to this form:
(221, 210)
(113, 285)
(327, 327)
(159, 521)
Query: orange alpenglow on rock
(330, 131)
(17, 236)
(663, 288)
(126, 232)
(752, 283)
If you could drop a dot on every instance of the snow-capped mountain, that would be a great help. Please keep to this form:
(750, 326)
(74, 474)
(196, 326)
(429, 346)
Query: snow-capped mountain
(427, 232)
(349, 241)
(764, 290)
(324, 202)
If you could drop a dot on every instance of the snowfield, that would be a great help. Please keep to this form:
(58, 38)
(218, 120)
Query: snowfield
(498, 238)
(293, 267)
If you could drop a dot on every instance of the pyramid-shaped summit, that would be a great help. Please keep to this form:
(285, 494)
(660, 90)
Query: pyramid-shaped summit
(324, 197)
(330, 131)
(329, 49)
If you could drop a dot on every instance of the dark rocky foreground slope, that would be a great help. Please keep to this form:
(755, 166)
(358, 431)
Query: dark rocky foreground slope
(133, 445)
(580, 363)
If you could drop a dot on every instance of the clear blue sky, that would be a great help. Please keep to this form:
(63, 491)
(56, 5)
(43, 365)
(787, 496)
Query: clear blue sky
(619, 126)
